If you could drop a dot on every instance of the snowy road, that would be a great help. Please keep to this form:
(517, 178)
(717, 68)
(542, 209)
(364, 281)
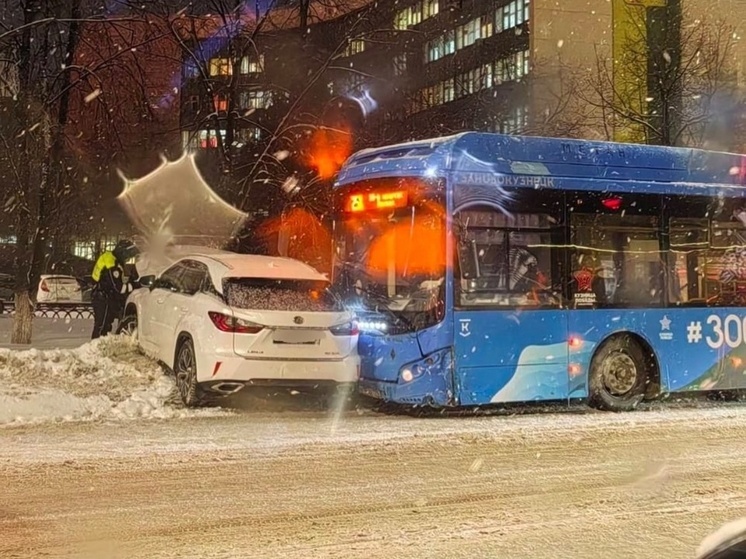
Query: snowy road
(300, 485)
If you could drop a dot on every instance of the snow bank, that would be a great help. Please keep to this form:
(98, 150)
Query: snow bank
(103, 379)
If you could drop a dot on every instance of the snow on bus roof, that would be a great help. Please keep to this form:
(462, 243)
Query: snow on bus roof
(607, 164)
(257, 266)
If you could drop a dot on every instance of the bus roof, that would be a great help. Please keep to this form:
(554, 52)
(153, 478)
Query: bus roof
(571, 164)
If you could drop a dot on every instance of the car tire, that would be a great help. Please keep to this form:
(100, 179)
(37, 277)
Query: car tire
(185, 373)
(619, 375)
(128, 326)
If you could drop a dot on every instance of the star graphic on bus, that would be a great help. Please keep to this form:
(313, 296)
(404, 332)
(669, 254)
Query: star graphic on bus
(665, 323)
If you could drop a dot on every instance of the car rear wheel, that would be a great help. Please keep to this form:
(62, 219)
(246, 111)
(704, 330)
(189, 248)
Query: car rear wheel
(185, 370)
(619, 375)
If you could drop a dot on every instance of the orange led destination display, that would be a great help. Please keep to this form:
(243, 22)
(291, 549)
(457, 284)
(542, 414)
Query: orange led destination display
(377, 201)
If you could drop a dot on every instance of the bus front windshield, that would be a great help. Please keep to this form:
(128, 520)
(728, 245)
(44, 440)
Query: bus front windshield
(390, 251)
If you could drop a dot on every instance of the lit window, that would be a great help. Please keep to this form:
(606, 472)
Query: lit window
(516, 121)
(448, 90)
(467, 34)
(256, 99)
(252, 64)
(485, 29)
(409, 16)
(430, 8)
(248, 134)
(220, 67)
(512, 15)
(202, 139)
(8, 239)
(434, 49)
(449, 44)
(85, 249)
(191, 70)
(220, 102)
(355, 46)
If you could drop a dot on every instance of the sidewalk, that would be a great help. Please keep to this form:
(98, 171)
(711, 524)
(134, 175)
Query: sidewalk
(49, 333)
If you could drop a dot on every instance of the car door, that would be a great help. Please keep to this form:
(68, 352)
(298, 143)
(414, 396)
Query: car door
(179, 304)
(160, 309)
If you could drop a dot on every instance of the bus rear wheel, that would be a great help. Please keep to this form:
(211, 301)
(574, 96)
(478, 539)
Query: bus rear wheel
(619, 375)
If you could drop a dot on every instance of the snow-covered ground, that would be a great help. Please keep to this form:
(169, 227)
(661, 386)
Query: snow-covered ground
(102, 380)
(136, 476)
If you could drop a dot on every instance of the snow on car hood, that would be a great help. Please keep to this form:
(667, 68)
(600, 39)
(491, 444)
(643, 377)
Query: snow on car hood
(104, 379)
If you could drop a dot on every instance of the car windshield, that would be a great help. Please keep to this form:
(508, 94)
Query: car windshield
(391, 258)
(280, 295)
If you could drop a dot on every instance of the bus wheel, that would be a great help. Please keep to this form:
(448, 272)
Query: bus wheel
(618, 376)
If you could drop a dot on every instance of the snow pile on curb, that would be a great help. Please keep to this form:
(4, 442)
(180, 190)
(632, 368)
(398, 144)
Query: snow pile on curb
(103, 379)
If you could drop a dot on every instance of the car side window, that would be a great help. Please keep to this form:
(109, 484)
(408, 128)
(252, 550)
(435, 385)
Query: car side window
(171, 279)
(193, 276)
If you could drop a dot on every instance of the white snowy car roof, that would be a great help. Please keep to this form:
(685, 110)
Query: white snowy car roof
(154, 263)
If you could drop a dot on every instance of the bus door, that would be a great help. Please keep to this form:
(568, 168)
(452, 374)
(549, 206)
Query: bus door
(511, 333)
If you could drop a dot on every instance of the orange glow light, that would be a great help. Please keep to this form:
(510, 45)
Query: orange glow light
(329, 150)
(307, 238)
(575, 342)
(411, 248)
(377, 201)
(574, 369)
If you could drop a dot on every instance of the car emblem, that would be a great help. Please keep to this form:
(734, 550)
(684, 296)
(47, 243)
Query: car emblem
(298, 320)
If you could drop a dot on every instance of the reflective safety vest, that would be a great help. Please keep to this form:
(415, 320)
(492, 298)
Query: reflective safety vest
(104, 262)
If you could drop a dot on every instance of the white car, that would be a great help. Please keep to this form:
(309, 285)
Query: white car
(59, 289)
(222, 320)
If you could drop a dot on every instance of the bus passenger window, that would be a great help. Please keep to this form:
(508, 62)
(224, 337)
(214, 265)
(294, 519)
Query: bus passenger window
(505, 260)
(627, 260)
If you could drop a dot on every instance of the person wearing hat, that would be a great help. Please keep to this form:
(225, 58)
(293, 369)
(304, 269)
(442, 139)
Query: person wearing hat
(110, 290)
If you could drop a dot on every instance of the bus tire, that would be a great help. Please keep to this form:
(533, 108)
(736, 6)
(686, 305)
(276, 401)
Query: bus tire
(618, 375)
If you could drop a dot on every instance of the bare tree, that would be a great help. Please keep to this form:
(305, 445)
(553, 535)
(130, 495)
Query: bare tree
(39, 45)
(672, 91)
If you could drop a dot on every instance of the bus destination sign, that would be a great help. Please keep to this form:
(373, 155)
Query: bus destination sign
(390, 200)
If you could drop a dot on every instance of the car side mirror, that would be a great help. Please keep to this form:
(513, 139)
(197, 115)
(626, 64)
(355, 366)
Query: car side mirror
(148, 281)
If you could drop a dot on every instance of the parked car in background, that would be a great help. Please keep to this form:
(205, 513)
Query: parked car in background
(222, 321)
(59, 289)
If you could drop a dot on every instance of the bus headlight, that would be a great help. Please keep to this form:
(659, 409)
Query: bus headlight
(436, 363)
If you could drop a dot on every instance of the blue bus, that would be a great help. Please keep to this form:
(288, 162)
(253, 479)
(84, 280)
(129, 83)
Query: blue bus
(490, 269)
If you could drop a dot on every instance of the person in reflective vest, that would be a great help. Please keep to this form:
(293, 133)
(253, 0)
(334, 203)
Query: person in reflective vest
(110, 290)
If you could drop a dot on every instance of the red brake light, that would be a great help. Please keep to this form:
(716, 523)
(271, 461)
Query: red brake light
(348, 329)
(226, 323)
(44, 286)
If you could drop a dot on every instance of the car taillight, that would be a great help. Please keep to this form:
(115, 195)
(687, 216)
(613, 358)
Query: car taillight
(348, 329)
(226, 323)
(44, 287)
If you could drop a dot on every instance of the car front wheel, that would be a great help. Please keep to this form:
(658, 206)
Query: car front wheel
(185, 370)
(128, 326)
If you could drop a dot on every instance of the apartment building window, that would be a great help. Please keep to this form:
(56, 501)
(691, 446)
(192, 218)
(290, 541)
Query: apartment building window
(191, 70)
(515, 121)
(449, 90)
(430, 8)
(354, 46)
(400, 64)
(467, 34)
(434, 49)
(252, 64)
(220, 102)
(512, 67)
(248, 134)
(220, 67)
(411, 15)
(512, 15)
(256, 99)
(485, 27)
(202, 139)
